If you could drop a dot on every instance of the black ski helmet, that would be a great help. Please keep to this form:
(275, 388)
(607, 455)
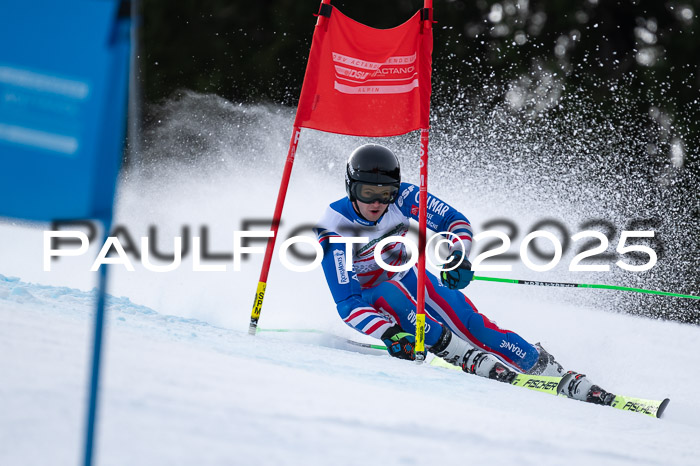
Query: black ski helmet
(372, 164)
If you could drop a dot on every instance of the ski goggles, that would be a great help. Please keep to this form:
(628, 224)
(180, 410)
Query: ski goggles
(369, 193)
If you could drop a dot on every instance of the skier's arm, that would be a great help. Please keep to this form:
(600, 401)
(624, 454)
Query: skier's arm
(346, 289)
(442, 218)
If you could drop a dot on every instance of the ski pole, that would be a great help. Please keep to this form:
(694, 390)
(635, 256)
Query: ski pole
(321, 332)
(583, 285)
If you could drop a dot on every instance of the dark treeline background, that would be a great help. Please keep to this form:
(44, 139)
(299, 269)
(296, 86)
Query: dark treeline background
(256, 51)
(624, 73)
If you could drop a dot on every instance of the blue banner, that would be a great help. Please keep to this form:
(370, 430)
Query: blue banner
(63, 97)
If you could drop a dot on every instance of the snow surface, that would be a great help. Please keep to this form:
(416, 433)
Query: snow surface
(183, 383)
(181, 391)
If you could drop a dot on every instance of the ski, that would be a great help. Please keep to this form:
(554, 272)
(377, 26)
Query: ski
(553, 385)
(538, 383)
(654, 408)
(546, 384)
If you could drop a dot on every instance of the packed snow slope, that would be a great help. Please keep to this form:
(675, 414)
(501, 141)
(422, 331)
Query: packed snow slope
(183, 383)
(181, 391)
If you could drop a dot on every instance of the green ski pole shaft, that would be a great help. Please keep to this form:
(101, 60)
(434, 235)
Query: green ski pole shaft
(321, 332)
(584, 285)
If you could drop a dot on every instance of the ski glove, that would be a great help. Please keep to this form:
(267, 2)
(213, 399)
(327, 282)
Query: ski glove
(399, 343)
(461, 276)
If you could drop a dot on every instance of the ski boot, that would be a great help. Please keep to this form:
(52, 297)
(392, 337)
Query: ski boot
(578, 387)
(472, 361)
(546, 364)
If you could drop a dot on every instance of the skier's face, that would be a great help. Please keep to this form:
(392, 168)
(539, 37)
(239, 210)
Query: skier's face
(372, 211)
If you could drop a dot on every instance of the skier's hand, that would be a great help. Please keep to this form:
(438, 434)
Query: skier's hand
(399, 343)
(460, 276)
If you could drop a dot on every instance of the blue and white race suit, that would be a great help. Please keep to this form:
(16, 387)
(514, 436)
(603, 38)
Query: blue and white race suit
(371, 299)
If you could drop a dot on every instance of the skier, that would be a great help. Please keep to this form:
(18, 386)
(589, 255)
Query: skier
(382, 303)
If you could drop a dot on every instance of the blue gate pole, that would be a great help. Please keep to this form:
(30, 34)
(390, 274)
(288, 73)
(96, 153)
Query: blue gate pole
(96, 357)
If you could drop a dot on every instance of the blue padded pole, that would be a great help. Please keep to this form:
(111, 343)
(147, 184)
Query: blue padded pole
(96, 358)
